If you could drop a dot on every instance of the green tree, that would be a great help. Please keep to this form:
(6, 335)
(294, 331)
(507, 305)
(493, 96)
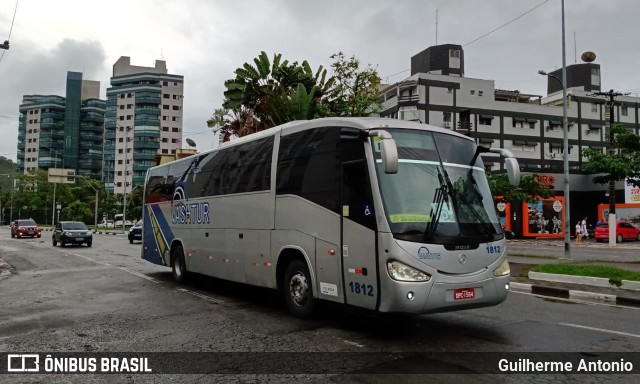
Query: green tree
(267, 93)
(623, 163)
(78, 211)
(529, 189)
(355, 89)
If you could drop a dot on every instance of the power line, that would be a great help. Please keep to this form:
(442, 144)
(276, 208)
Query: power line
(10, 30)
(488, 33)
(509, 22)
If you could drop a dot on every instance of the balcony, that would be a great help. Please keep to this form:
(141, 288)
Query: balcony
(148, 100)
(143, 156)
(146, 145)
(148, 121)
(154, 111)
(464, 127)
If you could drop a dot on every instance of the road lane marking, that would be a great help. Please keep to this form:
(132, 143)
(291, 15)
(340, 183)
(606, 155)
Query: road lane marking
(353, 343)
(200, 295)
(138, 274)
(600, 330)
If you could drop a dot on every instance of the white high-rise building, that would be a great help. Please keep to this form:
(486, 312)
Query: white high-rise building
(143, 120)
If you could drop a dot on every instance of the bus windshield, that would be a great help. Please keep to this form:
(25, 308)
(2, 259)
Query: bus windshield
(440, 194)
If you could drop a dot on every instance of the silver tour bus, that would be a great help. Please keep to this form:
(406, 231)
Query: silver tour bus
(378, 213)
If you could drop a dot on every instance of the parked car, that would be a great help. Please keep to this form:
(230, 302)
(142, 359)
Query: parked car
(135, 232)
(106, 224)
(624, 231)
(72, 232)
(23, 228)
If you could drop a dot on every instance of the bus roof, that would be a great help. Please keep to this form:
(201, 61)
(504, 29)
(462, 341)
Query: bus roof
(363, 123)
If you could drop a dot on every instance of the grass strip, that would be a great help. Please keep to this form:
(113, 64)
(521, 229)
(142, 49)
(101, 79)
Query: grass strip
(615, 275)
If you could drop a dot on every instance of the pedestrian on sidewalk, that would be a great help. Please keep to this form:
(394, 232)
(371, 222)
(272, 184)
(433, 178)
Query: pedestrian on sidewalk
(585, 233)
(578, 232)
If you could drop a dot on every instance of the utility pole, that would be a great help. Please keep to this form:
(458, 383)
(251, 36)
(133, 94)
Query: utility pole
(612, 184)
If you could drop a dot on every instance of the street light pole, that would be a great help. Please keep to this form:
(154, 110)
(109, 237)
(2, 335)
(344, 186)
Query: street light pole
(565, 144)
(95, 228)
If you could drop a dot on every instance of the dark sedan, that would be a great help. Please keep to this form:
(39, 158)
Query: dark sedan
(135, 232)
(72, 232)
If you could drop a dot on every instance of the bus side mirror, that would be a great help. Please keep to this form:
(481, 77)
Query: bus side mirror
(388, 150)
(510, 164)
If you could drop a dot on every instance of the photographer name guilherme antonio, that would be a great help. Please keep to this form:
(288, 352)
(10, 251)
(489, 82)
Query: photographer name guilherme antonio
(597, 366)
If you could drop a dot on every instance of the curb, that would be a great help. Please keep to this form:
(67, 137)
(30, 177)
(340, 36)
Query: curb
(565, 293)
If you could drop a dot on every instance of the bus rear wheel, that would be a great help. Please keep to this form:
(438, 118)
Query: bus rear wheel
(298, 290)
(178, 267)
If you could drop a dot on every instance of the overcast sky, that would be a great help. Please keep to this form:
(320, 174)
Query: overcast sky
(206, 40)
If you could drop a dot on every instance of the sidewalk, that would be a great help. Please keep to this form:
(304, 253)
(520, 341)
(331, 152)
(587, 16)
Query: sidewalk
(525, 254)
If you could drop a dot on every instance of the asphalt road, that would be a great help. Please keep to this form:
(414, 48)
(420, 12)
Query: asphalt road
(106, 299)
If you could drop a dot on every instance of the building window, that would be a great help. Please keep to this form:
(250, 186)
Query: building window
(120, 150)
(122, 95)
(165, 151)
(121, 140)
(119, 173)
(129, 95)
(129, 106)
(165, 96)
(518, 122)
(625, 110)
(175, 84)
(119, 161)
(175, 97)
(165, 83)
(176, 108)
(122, 106)
(175, 140)
(165, 140)
(480, 93)
(594, 107)
(532, 124)
(165, 106)
(485, 119)
(446, 117)
(175, 118)
(173, 151)
(119, 184)
(174, 129)
(129, 117)
(473, 92)
(121, 117)
(454, 53)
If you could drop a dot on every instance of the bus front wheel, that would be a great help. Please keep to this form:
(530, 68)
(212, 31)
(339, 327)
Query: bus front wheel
(178, 267)
(298, 291)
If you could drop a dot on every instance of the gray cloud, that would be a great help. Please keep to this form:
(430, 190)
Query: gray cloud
(27, 71)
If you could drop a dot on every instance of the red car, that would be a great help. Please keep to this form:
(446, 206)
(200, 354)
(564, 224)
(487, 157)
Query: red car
(624, 231)
(23, 228)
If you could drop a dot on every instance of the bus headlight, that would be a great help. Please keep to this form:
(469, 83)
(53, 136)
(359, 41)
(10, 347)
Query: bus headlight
(503, 269)
(402, 272)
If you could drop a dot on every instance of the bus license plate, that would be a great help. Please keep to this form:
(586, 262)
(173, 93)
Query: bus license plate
(464, 293)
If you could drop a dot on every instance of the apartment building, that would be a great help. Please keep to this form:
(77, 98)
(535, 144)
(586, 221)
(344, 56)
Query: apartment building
(144, 112)
(437, 93)
(63, 132)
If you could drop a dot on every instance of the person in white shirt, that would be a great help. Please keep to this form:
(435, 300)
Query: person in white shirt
(578, 232)
(583, 228)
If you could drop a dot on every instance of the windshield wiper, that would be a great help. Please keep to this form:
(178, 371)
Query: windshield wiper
(439, 198)
(487, 228)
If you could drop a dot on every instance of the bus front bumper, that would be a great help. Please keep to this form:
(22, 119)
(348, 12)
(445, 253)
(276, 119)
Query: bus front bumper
(433, 296)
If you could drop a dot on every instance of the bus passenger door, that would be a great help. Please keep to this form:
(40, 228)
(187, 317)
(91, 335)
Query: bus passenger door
(358, 227)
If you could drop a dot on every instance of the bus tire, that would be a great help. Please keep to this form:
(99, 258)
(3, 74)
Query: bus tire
(298, 289)
(178, 266)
